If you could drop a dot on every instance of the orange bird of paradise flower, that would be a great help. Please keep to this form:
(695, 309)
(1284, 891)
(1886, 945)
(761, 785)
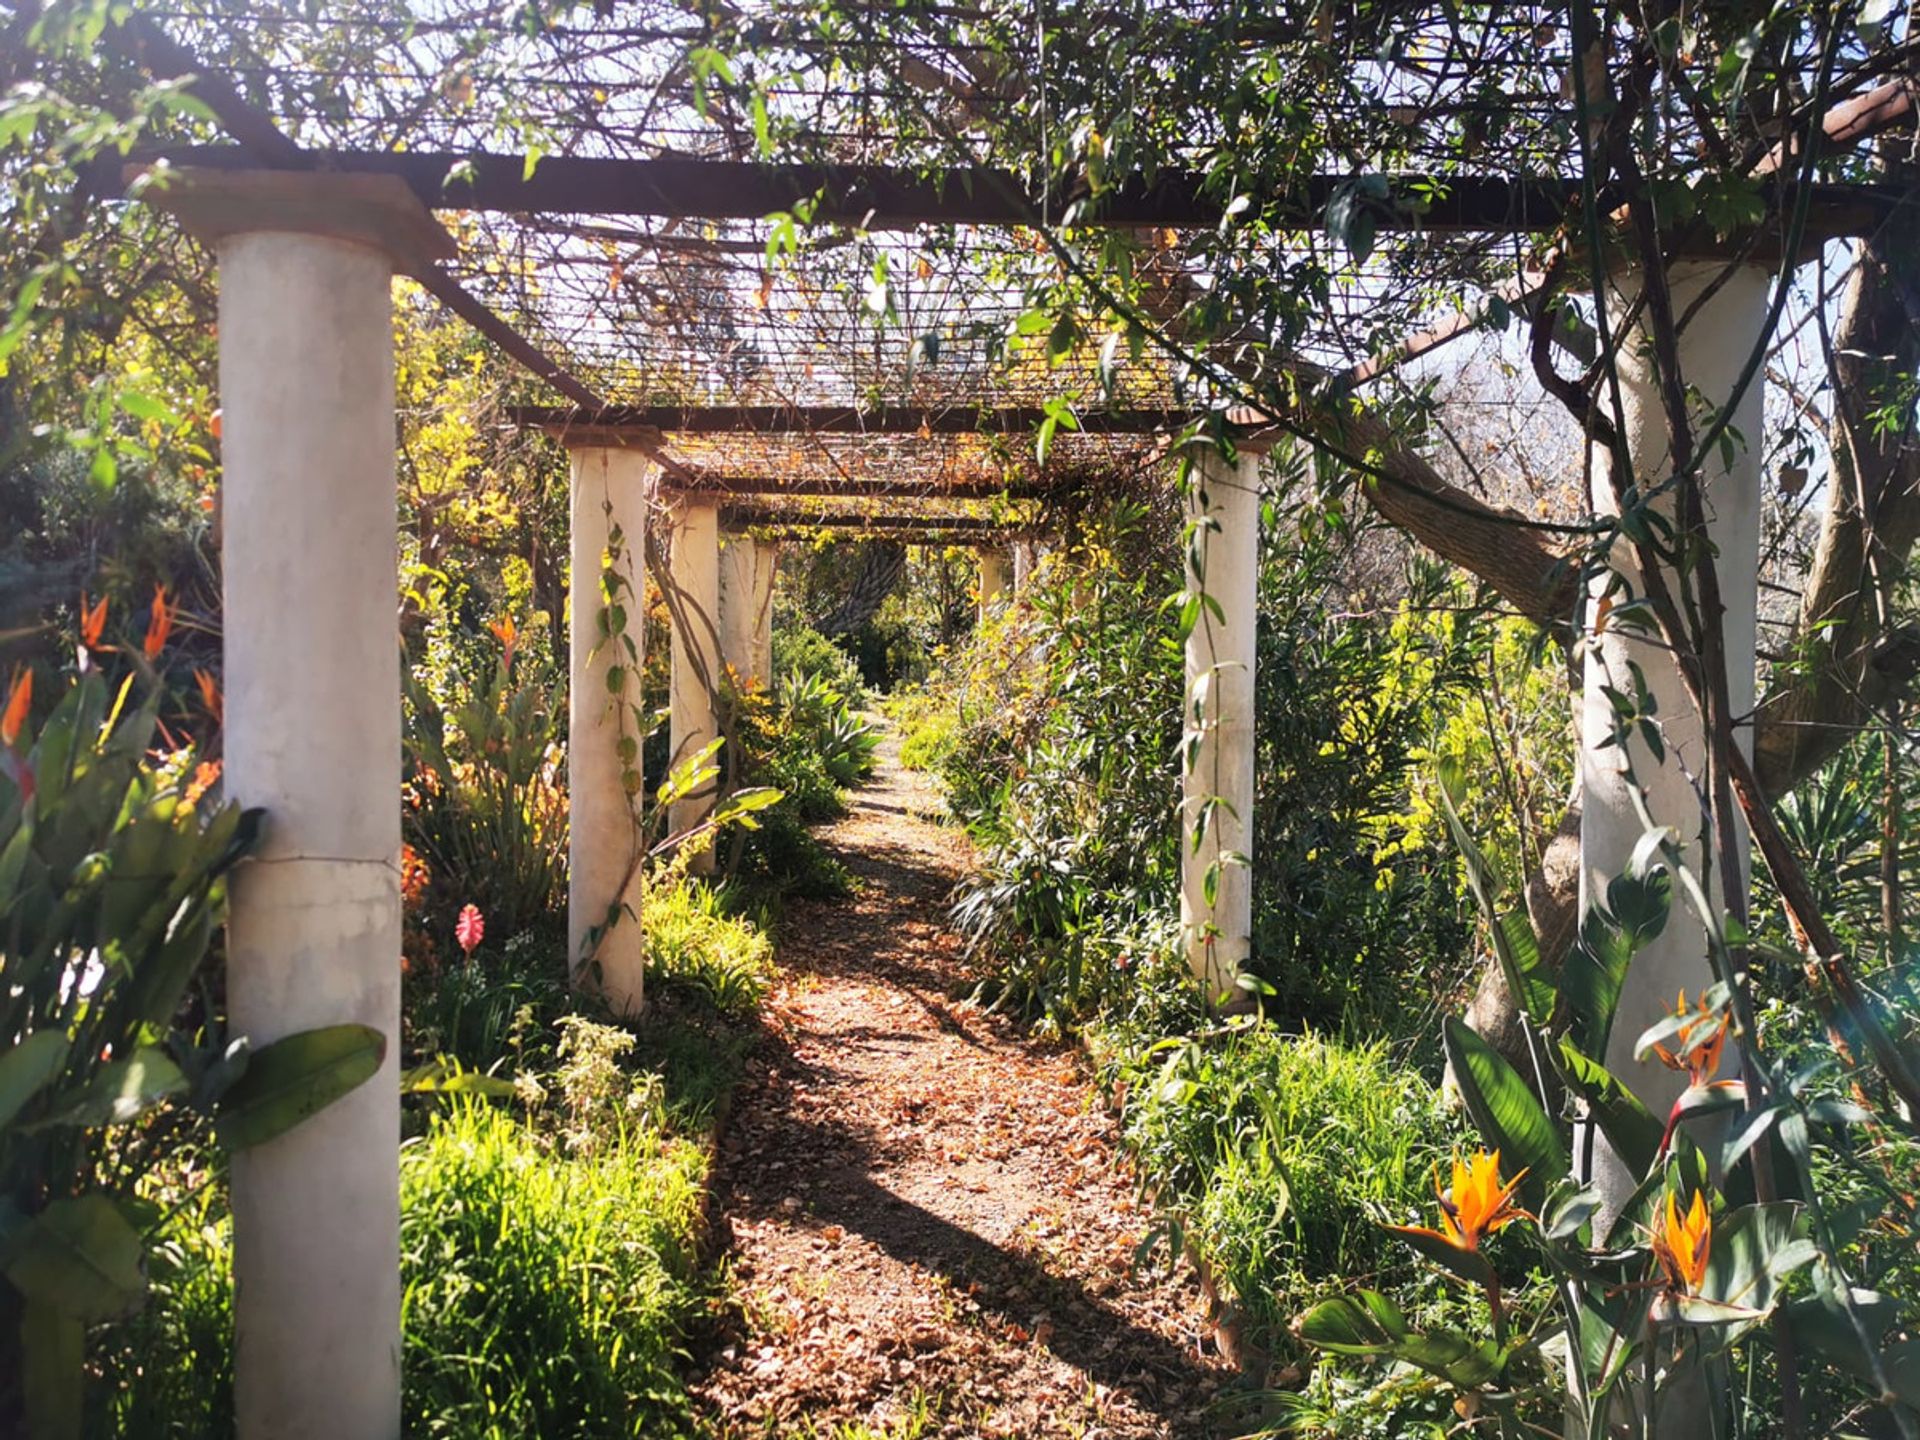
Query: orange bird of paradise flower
(159, 625)
(1698, 1045)
(93, 621)
(1681, 1243)
(19, 700)
(1476, 1205)
(508, 634)
(210, 694)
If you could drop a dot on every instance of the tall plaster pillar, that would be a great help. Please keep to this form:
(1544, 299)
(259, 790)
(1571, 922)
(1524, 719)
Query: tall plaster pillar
(996, 578)
(1023, 561)
(310, 569)
(1223, 561)
(695, 571)
(606, 948)
(1713, 347)
(746, 609)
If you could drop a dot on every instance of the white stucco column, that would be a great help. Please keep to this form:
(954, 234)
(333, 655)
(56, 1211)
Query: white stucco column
(1023, 561)
(310, 570)
(695, 572)
(606, 948)
(1713, 348)
(1223, 563)
(996, 577)
(746, 608)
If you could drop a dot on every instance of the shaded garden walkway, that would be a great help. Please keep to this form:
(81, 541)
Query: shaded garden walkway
(923, 1208)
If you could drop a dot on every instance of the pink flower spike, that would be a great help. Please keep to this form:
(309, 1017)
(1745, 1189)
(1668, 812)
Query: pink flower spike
(470, 929)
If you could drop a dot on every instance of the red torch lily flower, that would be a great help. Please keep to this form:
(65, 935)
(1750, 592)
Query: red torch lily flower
(469, 930)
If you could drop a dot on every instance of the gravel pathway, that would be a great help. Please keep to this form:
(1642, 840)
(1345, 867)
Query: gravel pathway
(923, 1208)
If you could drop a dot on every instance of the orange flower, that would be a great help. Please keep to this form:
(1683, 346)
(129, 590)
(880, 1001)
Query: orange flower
(1681, 1243)
(92, 621)
(1476, 1205)
(509, 635)
(204, 776)
(210, 694)
(414, 877)
(1698, 1045)
(18, 701)
(160, 625)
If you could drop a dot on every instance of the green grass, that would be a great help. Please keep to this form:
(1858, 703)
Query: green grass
(546, 1292)
(693, 943)
(549, 1248)
(1274, 1155)
(547, 1295)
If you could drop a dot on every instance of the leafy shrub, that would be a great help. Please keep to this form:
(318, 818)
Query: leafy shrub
(549, 1270)
(494, 1009)
(805, 739)
(927, 727)
(1062, 765)
(1359, 923)
(168, 1372)
(801, 651)
(112, 880)
(486, 811)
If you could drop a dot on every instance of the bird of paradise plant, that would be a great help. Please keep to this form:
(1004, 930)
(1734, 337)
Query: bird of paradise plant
(1666, 1284)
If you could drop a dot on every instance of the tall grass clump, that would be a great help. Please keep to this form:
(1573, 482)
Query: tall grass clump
(547, 1298)
(1274, 1154)
(694, 944)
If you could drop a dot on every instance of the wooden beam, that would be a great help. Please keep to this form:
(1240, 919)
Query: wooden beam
(752, 517)
(263, 146)
(922, 420)
(882, 197)
(774, 487)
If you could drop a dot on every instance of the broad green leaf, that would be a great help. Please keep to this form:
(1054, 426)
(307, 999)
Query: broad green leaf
(1754, 1248)
(120, 1091)
(1469, 1265)
(1610, 936)
(1369, 1324)
(53, 1354)
(1515, 945)
(79, 1257)
(1507, 1113)
(292, 1079)
(443, 1075)
(1364, 1324)
(1629, 1126)
(27, 1067)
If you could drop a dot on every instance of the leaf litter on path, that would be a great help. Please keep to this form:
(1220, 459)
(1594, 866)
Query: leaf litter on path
(929, 1225)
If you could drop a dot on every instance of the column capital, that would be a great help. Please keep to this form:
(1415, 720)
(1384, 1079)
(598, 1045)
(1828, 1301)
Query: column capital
(378, 211)
(589, 435)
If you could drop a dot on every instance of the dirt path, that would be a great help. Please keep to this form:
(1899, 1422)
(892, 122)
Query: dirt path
(923, 1209)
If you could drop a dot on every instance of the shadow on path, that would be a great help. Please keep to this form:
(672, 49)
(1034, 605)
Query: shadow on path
(924, 1206)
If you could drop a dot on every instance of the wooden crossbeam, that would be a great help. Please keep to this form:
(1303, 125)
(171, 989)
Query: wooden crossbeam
(754, 517)
(956, 419)
(888, 198)
(775, 487)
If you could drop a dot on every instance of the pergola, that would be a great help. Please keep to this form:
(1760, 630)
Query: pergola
(739, 415)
